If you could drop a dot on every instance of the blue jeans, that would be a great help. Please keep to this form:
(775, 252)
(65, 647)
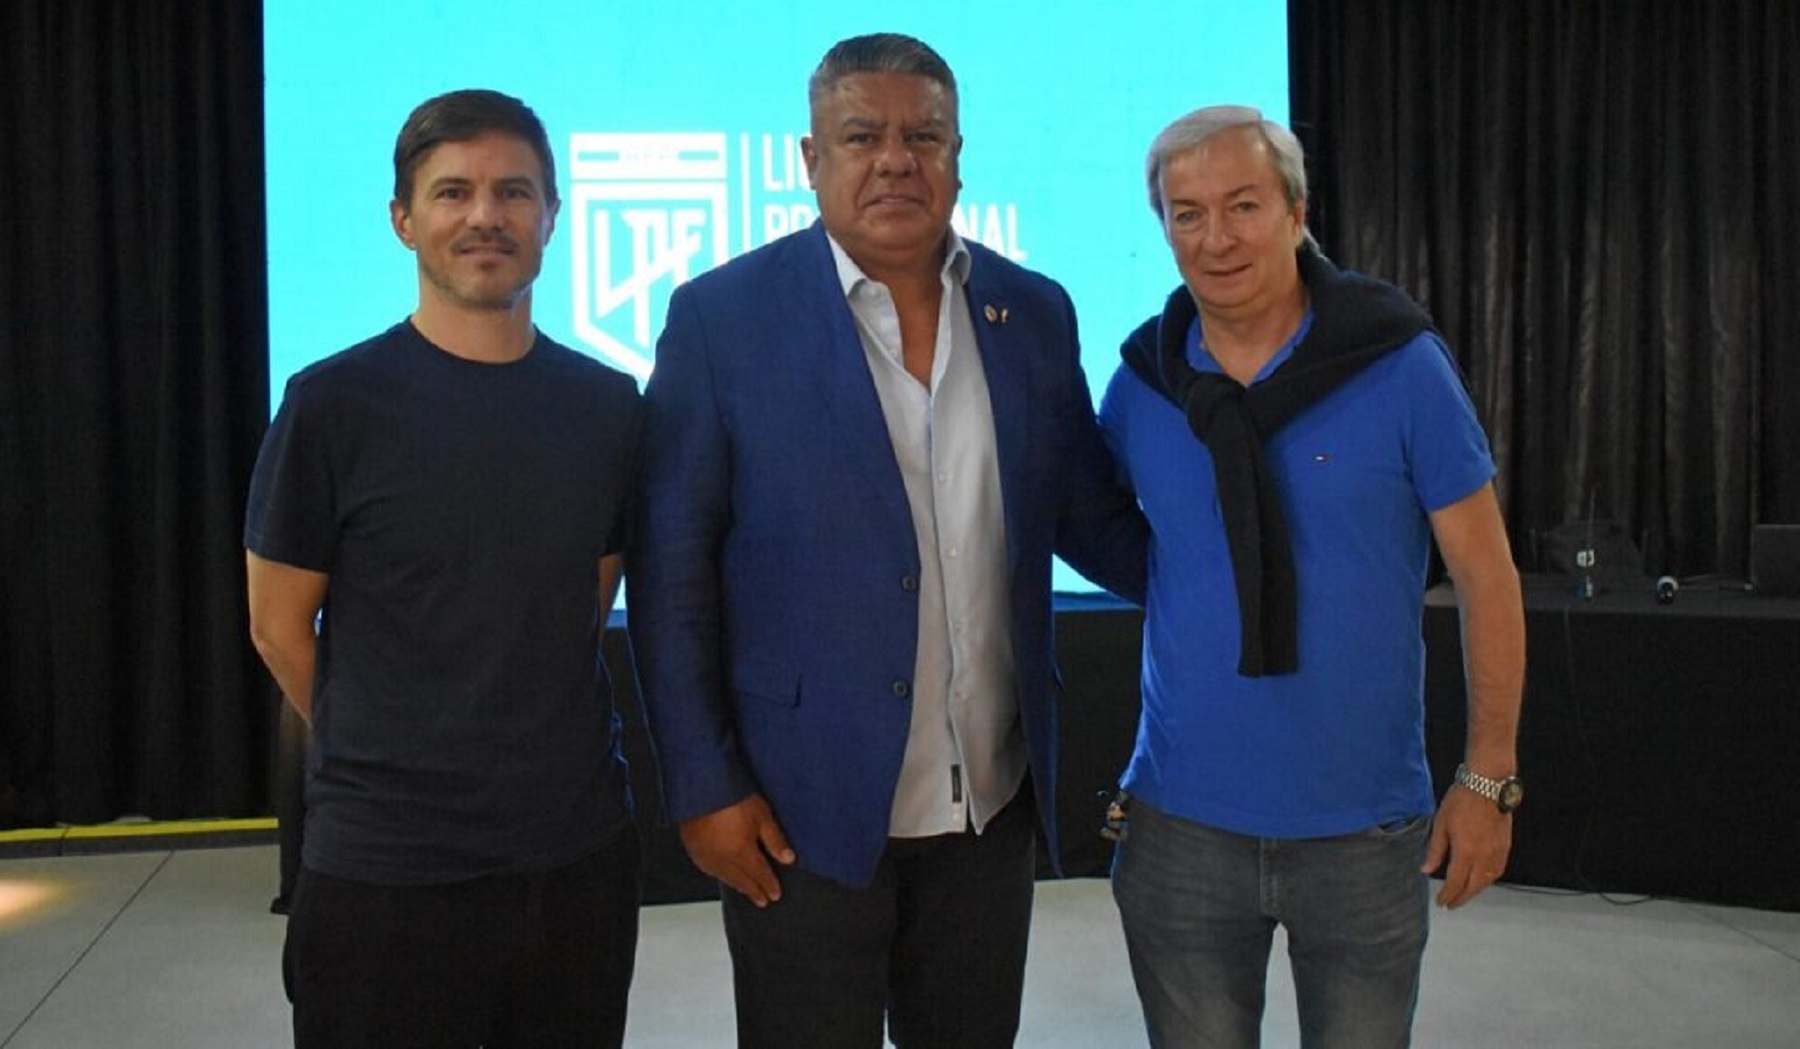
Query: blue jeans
(1200, 906)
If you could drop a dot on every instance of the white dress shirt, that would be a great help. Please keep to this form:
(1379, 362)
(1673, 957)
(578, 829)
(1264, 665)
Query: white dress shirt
(965, 755)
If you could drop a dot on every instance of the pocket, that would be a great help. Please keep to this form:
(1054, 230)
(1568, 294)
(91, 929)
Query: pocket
(766, 681)
(1404, 827)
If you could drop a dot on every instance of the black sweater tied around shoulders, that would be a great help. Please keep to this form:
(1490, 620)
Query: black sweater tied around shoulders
(1356, 321)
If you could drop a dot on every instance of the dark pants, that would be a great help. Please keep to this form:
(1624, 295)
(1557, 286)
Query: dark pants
(291, 743)
(935, 946)
(509, 960)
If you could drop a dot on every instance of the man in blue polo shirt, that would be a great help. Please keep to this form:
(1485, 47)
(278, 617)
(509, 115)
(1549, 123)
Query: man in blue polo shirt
(1298, 436)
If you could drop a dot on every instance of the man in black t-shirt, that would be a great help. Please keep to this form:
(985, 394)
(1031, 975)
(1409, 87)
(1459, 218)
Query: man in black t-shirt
(443, 502)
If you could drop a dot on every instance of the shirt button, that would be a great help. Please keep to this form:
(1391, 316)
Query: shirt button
(909, 583)
(953, 552)
(901, 688)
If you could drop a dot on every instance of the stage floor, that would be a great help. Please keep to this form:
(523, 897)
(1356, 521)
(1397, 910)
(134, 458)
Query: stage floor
(165, 949)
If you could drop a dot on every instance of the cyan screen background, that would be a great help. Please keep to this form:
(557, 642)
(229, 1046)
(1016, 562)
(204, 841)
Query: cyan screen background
(1058, 104)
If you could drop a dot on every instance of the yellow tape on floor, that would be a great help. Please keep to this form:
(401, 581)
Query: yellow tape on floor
(139, 830)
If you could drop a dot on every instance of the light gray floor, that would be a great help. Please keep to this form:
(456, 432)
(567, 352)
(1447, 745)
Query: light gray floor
(177, 950)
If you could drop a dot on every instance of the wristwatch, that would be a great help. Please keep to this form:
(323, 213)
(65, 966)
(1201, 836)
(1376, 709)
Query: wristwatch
(1506, 794)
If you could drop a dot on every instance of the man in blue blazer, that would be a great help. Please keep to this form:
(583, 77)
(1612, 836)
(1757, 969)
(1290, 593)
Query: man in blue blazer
(863, 444)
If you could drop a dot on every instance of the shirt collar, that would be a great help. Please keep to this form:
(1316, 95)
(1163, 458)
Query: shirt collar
(957, 261)
(1204, 361)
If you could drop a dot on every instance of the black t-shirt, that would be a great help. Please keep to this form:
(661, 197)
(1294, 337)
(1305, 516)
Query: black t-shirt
(462, 717)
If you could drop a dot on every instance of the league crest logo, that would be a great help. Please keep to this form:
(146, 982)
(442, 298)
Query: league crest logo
(649, 211)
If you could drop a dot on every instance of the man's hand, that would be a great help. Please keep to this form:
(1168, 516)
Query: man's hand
(1476, 836)
(733, 844)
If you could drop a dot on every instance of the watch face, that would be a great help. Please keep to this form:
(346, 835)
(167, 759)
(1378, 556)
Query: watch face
(1511, 793)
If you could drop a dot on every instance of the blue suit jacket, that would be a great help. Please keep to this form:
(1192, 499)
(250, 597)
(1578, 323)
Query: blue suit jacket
(774, 569)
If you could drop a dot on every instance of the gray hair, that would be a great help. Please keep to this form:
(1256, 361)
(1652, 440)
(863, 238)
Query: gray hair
(1190, 131)
(878, 53)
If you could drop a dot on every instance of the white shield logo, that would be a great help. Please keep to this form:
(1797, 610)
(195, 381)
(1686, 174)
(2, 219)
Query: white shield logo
(649, 212)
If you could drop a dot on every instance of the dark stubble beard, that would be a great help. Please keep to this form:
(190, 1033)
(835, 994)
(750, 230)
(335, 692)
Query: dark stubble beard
(499, 301)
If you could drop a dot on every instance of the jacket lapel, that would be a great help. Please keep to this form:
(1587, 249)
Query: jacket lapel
(1005, 359)
(831, 351)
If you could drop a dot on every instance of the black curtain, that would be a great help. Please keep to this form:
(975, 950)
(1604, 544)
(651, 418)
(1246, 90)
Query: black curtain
(1596, 201)
(133, 393)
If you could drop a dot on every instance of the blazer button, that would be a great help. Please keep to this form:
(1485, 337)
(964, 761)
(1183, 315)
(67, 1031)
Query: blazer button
(909, 583)
(901, 688)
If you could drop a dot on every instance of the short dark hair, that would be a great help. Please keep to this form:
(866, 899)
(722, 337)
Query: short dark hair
(878, 53)
(458, 116)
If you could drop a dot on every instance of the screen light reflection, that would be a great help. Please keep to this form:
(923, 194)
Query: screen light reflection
(23, 898)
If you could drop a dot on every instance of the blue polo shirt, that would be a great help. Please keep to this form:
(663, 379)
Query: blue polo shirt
(1339, 745)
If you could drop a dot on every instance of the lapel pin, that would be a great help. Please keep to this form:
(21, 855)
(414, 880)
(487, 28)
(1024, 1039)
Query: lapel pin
(991, 314)
(1003, 314)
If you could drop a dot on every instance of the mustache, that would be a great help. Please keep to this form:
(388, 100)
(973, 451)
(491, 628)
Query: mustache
(486, 239)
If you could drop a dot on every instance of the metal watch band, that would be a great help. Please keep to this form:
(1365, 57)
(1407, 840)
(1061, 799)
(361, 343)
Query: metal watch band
(1475, 781)
(1506, 794)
